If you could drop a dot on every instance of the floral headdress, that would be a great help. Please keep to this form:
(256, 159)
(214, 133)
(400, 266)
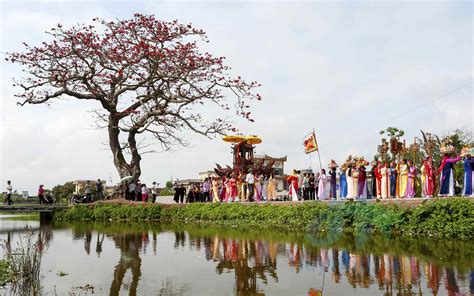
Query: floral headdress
(447, 146)
(467, 150)
(332, 164)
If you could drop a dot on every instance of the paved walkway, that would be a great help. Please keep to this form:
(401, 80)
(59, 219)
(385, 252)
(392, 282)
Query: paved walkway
(167, 200)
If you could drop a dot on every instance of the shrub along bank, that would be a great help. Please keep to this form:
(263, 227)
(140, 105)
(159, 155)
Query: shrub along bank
(449, 218)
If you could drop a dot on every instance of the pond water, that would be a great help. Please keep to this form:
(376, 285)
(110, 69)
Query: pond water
(174, 259)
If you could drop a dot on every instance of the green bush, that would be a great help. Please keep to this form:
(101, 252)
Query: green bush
(453, 217)
(446, 217)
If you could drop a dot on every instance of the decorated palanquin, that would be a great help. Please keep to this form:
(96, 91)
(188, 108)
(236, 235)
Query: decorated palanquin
(243, 157)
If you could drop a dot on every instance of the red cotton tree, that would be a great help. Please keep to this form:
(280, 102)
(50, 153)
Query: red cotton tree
(149, 77)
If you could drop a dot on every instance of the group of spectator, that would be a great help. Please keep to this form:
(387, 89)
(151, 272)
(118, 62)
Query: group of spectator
(137, 191)
(198, 192)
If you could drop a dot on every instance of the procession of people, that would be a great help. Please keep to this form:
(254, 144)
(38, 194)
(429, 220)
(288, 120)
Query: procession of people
(396, 179)
(352, 180)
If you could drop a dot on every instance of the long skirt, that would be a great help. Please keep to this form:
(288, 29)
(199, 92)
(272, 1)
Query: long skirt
(403, 185)
(265, 190)
(350, 187)
(271, 192)
(447, 184)
(362, 189)
(258, 192)
(343, 185)
(468, 181)
(293, 193)
(215, 194)
(385, 187)
(410, 190)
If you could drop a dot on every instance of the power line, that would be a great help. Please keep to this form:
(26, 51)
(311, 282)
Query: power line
(434, 99)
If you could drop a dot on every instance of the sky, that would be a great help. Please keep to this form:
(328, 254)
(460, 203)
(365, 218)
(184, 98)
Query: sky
(345, 69)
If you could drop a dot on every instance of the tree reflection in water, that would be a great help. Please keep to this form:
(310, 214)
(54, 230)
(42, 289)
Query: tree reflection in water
(129, 246)
(393, 266)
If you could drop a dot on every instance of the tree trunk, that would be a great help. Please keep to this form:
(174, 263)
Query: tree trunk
(136, 158)
(124, 169)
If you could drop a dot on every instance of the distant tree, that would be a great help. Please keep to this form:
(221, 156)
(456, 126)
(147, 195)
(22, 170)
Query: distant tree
(149, 77)
(168, 190)
(63, 192)
(390, 148)
(393, 132)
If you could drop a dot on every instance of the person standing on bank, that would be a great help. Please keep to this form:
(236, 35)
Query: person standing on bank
(215, 189)
(333, 179)
(250, 180)
(144, 193)
(41, 194)
(265, 188)
(9, 192)
(311, 189)
(323, 190)
(468, 163)
(99, 190)
(342, 184)
(138, 191)
(206, 190)
(271, 189)
(87, 191)
(176, 193)
(410, 189)
(447, 175)
(293, 186)
(131, 190)
(305, 187)
(182, 194)
(154, 192)
(362, 193)
(393, 179)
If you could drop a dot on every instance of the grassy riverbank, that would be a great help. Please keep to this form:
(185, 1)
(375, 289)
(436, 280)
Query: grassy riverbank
(448, 218)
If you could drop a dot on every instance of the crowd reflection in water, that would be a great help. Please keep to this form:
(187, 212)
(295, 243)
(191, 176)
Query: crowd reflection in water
(255, 261)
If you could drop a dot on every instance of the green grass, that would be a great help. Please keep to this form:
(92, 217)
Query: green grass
(6, 275)
(23, 217)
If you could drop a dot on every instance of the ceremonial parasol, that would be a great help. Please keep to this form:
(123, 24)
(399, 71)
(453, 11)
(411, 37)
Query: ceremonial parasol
(252, 140)
(233, 138)
(127, 178)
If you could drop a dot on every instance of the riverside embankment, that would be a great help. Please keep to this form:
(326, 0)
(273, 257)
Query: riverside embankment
(447, 218)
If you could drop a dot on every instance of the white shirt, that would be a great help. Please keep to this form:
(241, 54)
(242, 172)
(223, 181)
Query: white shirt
(250, 178)
(9, 189)
(153, 189)
(144, 190)
(305, 182)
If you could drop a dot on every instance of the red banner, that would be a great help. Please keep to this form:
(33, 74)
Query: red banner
(310, 144)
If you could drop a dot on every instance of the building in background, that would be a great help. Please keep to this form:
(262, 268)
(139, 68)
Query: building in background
(80, 184)
(278, 168)
(207, 174)
(187, 183)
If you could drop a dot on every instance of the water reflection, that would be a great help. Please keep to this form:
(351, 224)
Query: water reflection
(394, 274)
(262, 263)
